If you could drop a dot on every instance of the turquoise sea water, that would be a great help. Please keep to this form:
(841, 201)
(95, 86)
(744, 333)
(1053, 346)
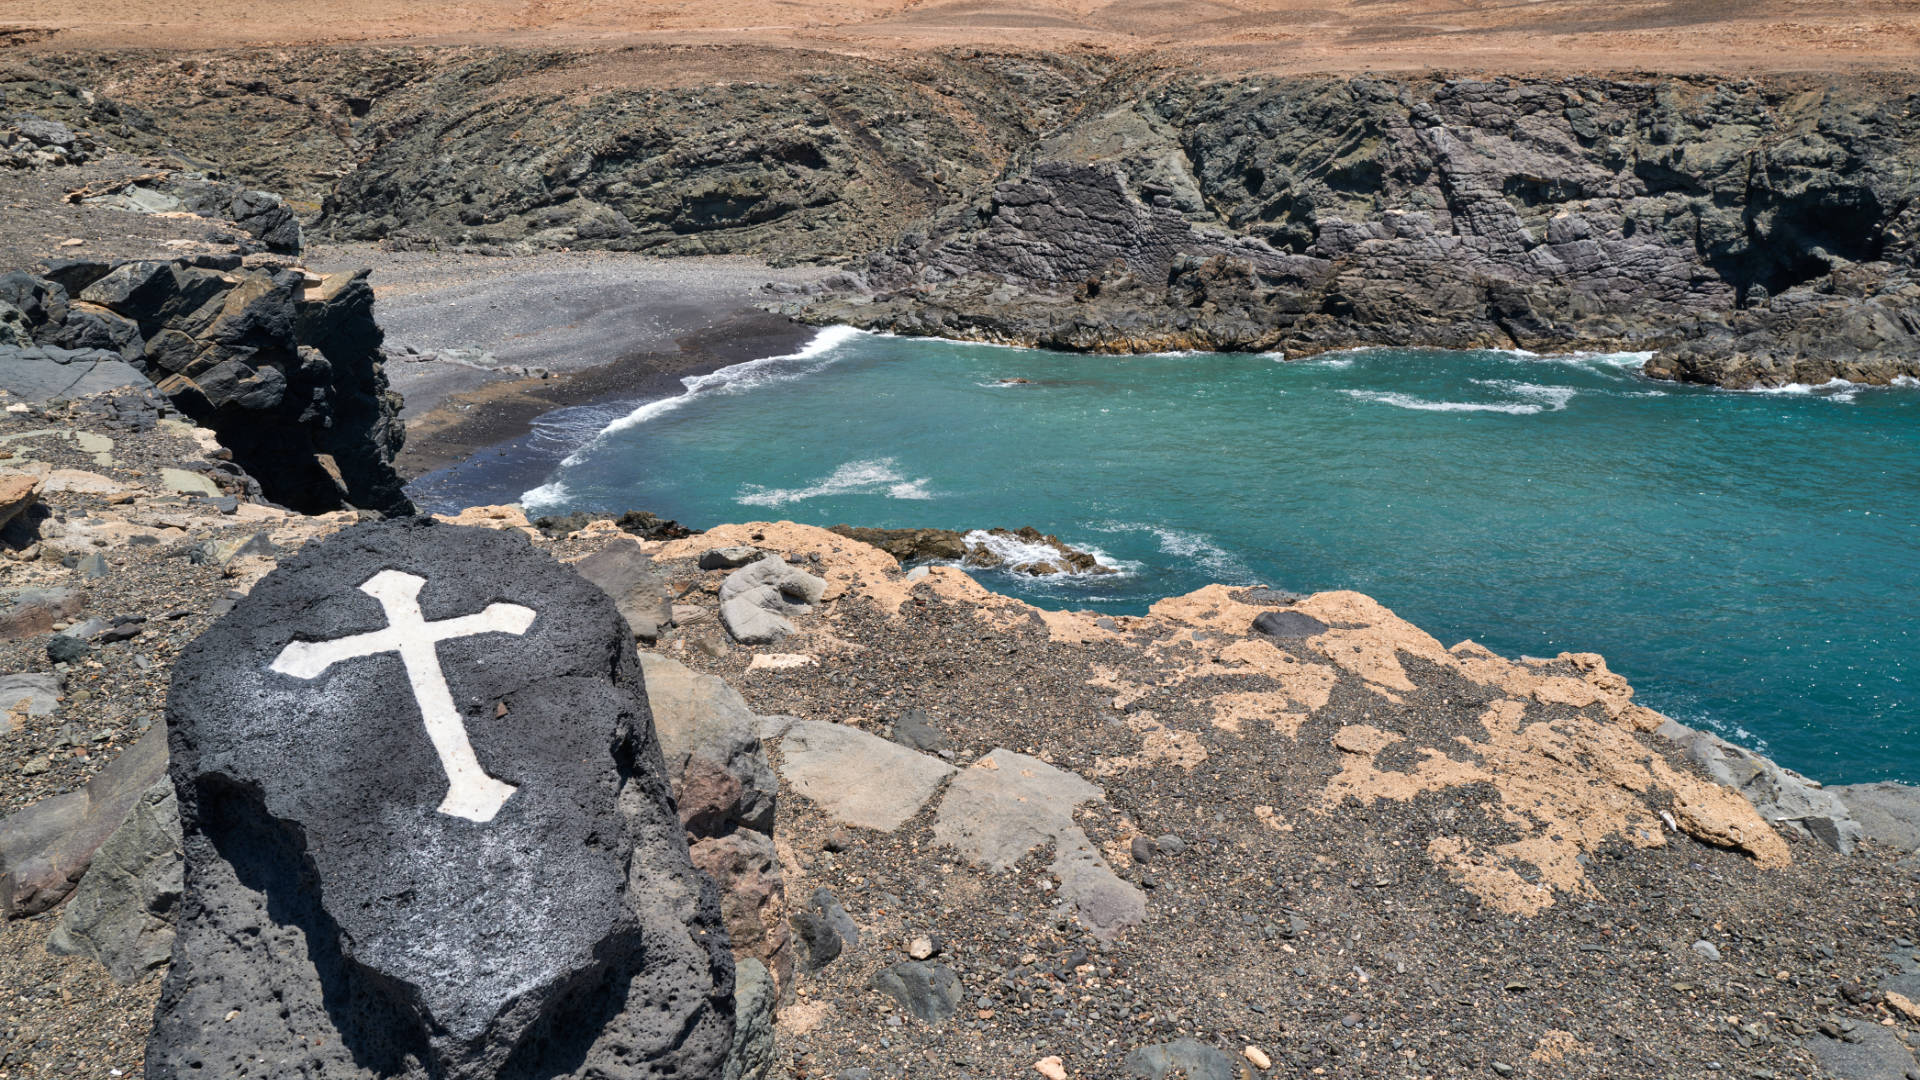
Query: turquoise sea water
(1749, 560)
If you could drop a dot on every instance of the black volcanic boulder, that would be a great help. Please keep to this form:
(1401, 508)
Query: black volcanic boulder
(428, 832)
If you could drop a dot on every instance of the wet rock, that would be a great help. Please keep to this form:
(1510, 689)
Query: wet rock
(47, 847)
(1186, 1058)
(626, 573)
(931, 993)
(122, 914)
(476, 866)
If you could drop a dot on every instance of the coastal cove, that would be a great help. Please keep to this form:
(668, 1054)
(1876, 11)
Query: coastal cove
(1746, 559)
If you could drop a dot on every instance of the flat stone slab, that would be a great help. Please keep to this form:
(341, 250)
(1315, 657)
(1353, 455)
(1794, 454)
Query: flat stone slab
(31, 693)
(428, 831)
(1007, 804)
(858, 778)
(47, 373)
(1889, 812)
(45, 848)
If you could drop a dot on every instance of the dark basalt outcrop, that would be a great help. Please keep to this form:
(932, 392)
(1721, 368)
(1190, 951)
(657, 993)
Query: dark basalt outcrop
(282, 364)
(1755, 231)
(1761, 229)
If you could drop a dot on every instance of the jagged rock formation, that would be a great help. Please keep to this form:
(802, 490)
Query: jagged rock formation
(1758, 228)
(1756, 231)
(282, 364)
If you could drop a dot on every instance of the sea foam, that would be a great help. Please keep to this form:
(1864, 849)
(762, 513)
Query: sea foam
(877, 476)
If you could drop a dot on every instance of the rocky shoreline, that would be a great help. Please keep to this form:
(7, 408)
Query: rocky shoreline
(958, 836)
(1748, 230)
(954, 835)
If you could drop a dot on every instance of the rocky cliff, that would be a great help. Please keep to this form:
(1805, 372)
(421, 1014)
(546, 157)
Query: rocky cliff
(1755, 231)
(283, 365)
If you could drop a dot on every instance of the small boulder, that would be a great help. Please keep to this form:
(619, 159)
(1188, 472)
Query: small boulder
(930, 992)
(1287, 624)
(728, 558)
(1188, 1058)
(122, 914)
(27, 612)
(625, 572)
(823, 931)
(47, 847)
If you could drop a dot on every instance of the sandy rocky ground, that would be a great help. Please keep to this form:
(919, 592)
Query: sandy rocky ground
(1056, 836)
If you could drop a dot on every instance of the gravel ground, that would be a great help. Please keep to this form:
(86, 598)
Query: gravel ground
(1335, 946)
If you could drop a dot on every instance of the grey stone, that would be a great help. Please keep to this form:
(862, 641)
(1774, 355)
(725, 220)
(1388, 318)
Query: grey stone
(27, 612)
(92, 566)
(711, 743)
(754, 998)
(339, 923)
(47, 847)
(626, 573)
(122, 914)
(1877, 1055)
(856, 777)
(67, 648)
(930, 992)
(1783, 797)
(728, 558)
(1888, 812)
(823, 930)
(1187, 1058)
(1706, 949)
(1288, 624)
(1007, 804)
(757, 616)
(47, 372)
(795, 586)
(914, 729)
(30, 694)
(756, 599)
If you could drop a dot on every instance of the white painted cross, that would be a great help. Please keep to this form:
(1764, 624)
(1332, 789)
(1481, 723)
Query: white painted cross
(471, 793)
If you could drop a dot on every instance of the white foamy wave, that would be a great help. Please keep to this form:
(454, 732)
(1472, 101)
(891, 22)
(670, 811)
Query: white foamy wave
(1197, 548)
(1408, 401)
(1013, 551)
(874, 477)
(1554, 398)
(1577, 359)
(750, 375)
(1905, 382)
(1833, 390)
(547, 496)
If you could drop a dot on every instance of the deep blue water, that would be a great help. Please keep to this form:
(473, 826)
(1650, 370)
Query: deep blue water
(1748, 560)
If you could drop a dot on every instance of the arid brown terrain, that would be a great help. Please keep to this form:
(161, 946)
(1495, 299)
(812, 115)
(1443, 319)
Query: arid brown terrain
(1280, 36)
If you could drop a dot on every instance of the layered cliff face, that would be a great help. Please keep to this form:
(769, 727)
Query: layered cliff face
(1759, 229)
(282, 364)
(1756, 231)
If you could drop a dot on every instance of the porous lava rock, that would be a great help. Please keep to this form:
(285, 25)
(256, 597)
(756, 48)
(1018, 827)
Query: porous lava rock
(508, 894)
